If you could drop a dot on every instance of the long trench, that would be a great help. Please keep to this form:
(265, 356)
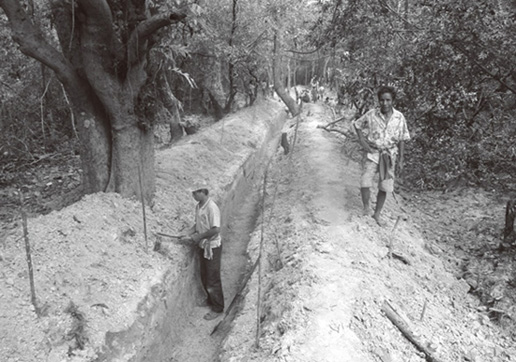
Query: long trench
(201, 345)
(180, 333)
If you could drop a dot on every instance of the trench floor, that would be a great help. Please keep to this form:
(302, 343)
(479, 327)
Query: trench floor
(198, 344)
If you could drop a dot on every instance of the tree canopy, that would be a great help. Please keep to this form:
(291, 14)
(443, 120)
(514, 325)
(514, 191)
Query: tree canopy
(452, 62)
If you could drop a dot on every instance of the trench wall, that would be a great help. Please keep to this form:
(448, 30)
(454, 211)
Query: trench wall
(236, 150)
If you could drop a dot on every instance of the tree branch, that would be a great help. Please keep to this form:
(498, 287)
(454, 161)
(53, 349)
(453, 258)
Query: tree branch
(301, 52)
(481, 67)
(97, 46)
(32, 42)
(387, 7)
(254, 42)
(136, 44)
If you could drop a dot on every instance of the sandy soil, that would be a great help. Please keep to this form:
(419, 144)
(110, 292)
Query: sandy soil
(325, 271)
(328, 271)
(97, 279)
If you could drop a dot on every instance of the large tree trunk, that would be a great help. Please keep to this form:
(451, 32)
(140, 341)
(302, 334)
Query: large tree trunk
(102, 71)
(95, 149)
(133, 157)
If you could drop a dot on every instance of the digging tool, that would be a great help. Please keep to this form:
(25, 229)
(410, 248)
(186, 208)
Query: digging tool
(157, 244)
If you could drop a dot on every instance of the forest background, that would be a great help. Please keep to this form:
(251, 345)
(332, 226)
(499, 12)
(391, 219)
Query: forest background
(85, 84)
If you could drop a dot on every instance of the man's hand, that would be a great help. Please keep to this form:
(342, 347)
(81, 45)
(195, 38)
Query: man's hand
(196, 237)
(367, 147)
(361, 139)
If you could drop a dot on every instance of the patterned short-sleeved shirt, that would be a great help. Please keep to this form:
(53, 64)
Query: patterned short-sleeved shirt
(207, 217)
(383, 134)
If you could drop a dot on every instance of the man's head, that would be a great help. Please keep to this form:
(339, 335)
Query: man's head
(386, 97)
(200, 194)
(200, 191)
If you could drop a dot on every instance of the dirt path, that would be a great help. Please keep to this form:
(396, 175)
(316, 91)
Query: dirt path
(324, 303)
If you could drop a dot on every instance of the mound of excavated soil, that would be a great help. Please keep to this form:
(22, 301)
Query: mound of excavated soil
(327, 273)
(101, 289)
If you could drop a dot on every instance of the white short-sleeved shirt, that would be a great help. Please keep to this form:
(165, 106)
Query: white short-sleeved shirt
(381, 133)
(207, 217)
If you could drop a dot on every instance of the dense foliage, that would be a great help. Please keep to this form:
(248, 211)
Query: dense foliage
(453, 63)
(34, 114)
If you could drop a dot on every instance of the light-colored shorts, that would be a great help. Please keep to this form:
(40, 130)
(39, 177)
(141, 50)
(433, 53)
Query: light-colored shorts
(370, 171)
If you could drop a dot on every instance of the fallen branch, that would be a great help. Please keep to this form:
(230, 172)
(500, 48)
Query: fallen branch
(336, 121)
(395, 318)
(326, 128)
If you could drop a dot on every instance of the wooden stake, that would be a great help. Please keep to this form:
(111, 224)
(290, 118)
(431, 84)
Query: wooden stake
(143, 209)
(29, 264)
(258, 303)
(269, 221)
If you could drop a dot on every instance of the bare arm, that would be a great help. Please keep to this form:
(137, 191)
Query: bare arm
(363, 142)
(207, 234)
(191, 234)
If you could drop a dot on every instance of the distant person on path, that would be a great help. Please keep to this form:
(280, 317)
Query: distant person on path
(206, 234)
(381, 133)
(315, 88)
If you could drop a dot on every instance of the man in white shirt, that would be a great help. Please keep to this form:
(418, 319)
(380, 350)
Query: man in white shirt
(206, 234)
(382, 133)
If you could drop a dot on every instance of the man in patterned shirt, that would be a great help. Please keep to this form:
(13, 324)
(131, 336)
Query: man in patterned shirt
(206, 234)
(381, 133)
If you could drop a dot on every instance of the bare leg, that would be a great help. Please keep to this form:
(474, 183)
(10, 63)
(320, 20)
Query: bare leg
(366, 196)
(380, 201)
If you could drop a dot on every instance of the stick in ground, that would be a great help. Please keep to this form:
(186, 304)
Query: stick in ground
(29, 263)
(143, 208)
